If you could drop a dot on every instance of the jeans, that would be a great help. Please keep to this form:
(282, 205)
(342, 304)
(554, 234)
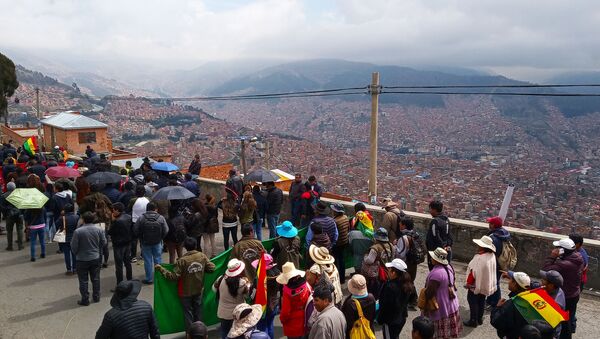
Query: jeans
(226, 232)
(92, 269)
(11, 222)
(192, 309)
(569, 327)
(152, 256)
(476, 306)
(122, 257)
(493, 299)
(39, 233)
(225, 327)
(265, 324)
(50, 227)
(296, 212)
(70, 260)
(340, 263)
(258, 228)
(272, 220)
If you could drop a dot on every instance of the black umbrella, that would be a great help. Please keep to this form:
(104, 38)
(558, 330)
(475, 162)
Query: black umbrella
(173, 193)
(261, 175)
(103, 178)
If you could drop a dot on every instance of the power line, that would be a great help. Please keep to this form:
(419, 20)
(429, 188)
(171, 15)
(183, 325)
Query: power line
(496, 93)
(493, 86)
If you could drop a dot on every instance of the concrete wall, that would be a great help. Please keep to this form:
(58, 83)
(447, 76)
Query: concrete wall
(532, 246)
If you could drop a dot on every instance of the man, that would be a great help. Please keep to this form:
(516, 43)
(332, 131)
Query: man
(87, 243)
(507, 320)
(191, 185)
(195, 166)
(13, 217)
(313, 185)
(151, 228)
(197, 331)
(438, 234)
(569, 264)
(296, 190)
(9, 167)
(330, 323)
(578, 240)
(137, 207)
(235, 184)
(247, 249)
(111, 192)
(499, 235)
(129, 317)
(103, 165)
(121, 234)
(128, 166)
(37, 169)
(422, 328)
(552, 282)
(391, 218)
(189, 271)
(329, 227)
(127, 194)
(274, 203)
(343, 225)
(89, 152)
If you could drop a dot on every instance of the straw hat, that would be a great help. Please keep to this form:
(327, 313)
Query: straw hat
(357, 285)
(234, 268)
(485, 242)
(242, 325)
(320, 255)
(289, 271)
(440, 255)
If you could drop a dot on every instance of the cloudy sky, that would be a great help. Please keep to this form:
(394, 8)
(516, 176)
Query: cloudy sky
(514, 37)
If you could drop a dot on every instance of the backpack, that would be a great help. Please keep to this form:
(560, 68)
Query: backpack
(152, 231)
(508, 259)
(361, 329)
(399, 217)
(418, 251)
(179, 233)
(288, 252)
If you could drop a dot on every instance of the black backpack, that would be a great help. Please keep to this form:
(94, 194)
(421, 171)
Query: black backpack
(152, 230)
(179, 233)
(417, 251)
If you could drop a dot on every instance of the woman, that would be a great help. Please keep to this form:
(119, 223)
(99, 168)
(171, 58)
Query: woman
(273, 291)
(321, 257)
(68, 221)
(357, 286)
(83, 187)
(196, 223)
(176, 235)
(104, 216)
(33, 181)
(232, 289)
(287, 245)
(261, 211)
(212, 227)
(439, 285)
(230, 209)
(380, 253)
(294, 299)
(36, 224)
(393, 299)
(247, 208)
(245, 319)
(481, 279)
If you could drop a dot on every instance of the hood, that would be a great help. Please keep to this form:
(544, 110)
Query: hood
(62, 194)
(501, 233)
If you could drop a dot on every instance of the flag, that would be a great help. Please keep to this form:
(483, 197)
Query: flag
(364, 223)
(261, 283)
(30, 145)
(537, 304)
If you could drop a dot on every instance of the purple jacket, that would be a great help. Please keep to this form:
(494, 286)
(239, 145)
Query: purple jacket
(570, 267)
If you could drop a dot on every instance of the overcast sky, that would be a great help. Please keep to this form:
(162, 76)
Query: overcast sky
(514, 37)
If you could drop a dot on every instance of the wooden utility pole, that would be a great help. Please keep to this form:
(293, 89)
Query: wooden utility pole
(374, 89)
(243, 156)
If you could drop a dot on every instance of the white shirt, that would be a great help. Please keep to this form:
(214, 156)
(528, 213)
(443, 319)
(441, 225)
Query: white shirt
(139, 208)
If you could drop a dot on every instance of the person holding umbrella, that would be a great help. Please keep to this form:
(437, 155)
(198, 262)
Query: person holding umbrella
(32, 201)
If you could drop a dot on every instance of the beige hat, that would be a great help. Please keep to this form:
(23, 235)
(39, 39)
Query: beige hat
(240, 326)
(440, 255)
(289, 271)
(485, 242)
(320, 255)
(357, 285)
(389, 203)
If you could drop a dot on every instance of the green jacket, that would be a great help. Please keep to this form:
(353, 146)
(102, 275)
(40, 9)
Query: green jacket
(189, 270)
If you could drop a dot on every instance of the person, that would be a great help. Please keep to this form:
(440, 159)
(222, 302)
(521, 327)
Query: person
(266, 323)
(197, 330)
(247, 208)
(408, 244)
(357, 286)
(36, 224)
(313, 185)
(499, 235)
(380, 253)
(274, 203)
(127, 194)
(13, 217)
(546, 331)
(195, 165)
(330, 322)
(86, 244)
(440, 285)
(321, 257)
(422, 328)
(308, 202)
(121, 234)
(339, 250)
(189, 271)
(104, 219)
(505, 318)
(83, 188)
(111, 193)
(552, 282)
(481, 279)
(295, 296)
(55, 206)
(261, 210)
(319, 238)
(196, 223)
(247, 250)
(177, 232)
(568, 262)
(322, 217)
(68, 222)
(286, 247)
(151, 228)
(230, 208)
(128, 317)
(391, 218)
(232, 289)
(137, 207)
(360, 236)
(212, 227)
(235, 184)
(9, 167)
(297, 188)
(245, 318)
(191, 185)
(393, 299)
(578, 240)
(438, 234)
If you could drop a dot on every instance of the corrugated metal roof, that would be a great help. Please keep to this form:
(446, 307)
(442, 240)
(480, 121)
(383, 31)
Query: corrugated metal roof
(73, 121)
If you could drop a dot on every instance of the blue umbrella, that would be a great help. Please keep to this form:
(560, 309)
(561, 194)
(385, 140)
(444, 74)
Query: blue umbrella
(164, 166)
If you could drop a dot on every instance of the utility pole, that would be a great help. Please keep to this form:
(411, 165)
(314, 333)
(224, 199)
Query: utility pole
(39, 116)
(268, 155)
(374, 89)
(243, 156)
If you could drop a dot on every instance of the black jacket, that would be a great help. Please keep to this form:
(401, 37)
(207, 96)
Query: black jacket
(393, 303)
(507, 320)
(438, 234)
(131, 319)
(261, 204)
(39, 170)
(121, 230)
(71, 219)
(274, 200)
(57, 203)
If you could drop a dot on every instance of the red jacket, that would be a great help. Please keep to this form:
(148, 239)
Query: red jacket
(293, 303)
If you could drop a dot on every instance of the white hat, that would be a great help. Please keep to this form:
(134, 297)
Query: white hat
(242, 325)
(398, 264)
(440, 255)
(521, 278)
(565, 243)
(320, 255)
(485, 242)
(289, 271)
(234, 268)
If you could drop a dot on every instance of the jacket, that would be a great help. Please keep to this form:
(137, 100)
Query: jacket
(343, 225)
(570, 266)
(293, 303)
(71, 219)
(329, 227)
(195, 167)
(367, 304)
(121, 230)
(507, 320)
(192, 186)
(438, 234)
(296, 190)
(228, 302)
(390, 223)
(138, 228)
(393, 303)
(57, 203)
(235, 184)
(261, 204)
(483, 268)
(131, 319)
(247, 250)
(499, 235)
(9, 210)
(329, 324)
(189, 272)
(274, 200)
(87, 242)
(286, 249)
(379, 253)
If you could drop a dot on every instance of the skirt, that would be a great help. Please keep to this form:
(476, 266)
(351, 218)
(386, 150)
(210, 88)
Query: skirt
(449, 327)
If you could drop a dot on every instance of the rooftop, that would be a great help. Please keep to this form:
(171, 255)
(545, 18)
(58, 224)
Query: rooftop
(73, 121)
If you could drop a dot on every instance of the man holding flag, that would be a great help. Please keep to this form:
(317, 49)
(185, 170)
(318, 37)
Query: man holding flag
(507, 320)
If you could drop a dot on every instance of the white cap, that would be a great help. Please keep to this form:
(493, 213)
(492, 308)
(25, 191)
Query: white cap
(565, 243)
(521, 278)
(397, 264)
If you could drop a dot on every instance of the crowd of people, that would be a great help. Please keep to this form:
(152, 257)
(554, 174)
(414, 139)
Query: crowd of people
(305, 277)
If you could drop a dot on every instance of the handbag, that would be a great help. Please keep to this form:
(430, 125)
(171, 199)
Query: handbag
(61, 236)
(361, 329)
(427, 304)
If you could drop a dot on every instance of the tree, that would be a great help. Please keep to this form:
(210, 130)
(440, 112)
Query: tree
(8, 83)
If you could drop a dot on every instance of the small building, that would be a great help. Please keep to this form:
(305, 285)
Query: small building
(74, 132)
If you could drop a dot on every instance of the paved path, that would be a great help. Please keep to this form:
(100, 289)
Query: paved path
(37, 300)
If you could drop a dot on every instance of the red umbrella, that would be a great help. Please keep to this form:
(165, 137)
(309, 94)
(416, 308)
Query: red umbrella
(62, 172)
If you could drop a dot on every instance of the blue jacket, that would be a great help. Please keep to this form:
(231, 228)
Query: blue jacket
(498, 236)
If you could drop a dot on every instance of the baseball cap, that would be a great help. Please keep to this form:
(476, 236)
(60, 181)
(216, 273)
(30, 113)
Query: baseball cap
(495, 221)
(565, 243)
(198, 328)
(397, 264)
(553, 277)
(521, 278)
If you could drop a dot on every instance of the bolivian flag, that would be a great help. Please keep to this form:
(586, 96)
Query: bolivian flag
(261, 283)
(30, 145)
(537, 304)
